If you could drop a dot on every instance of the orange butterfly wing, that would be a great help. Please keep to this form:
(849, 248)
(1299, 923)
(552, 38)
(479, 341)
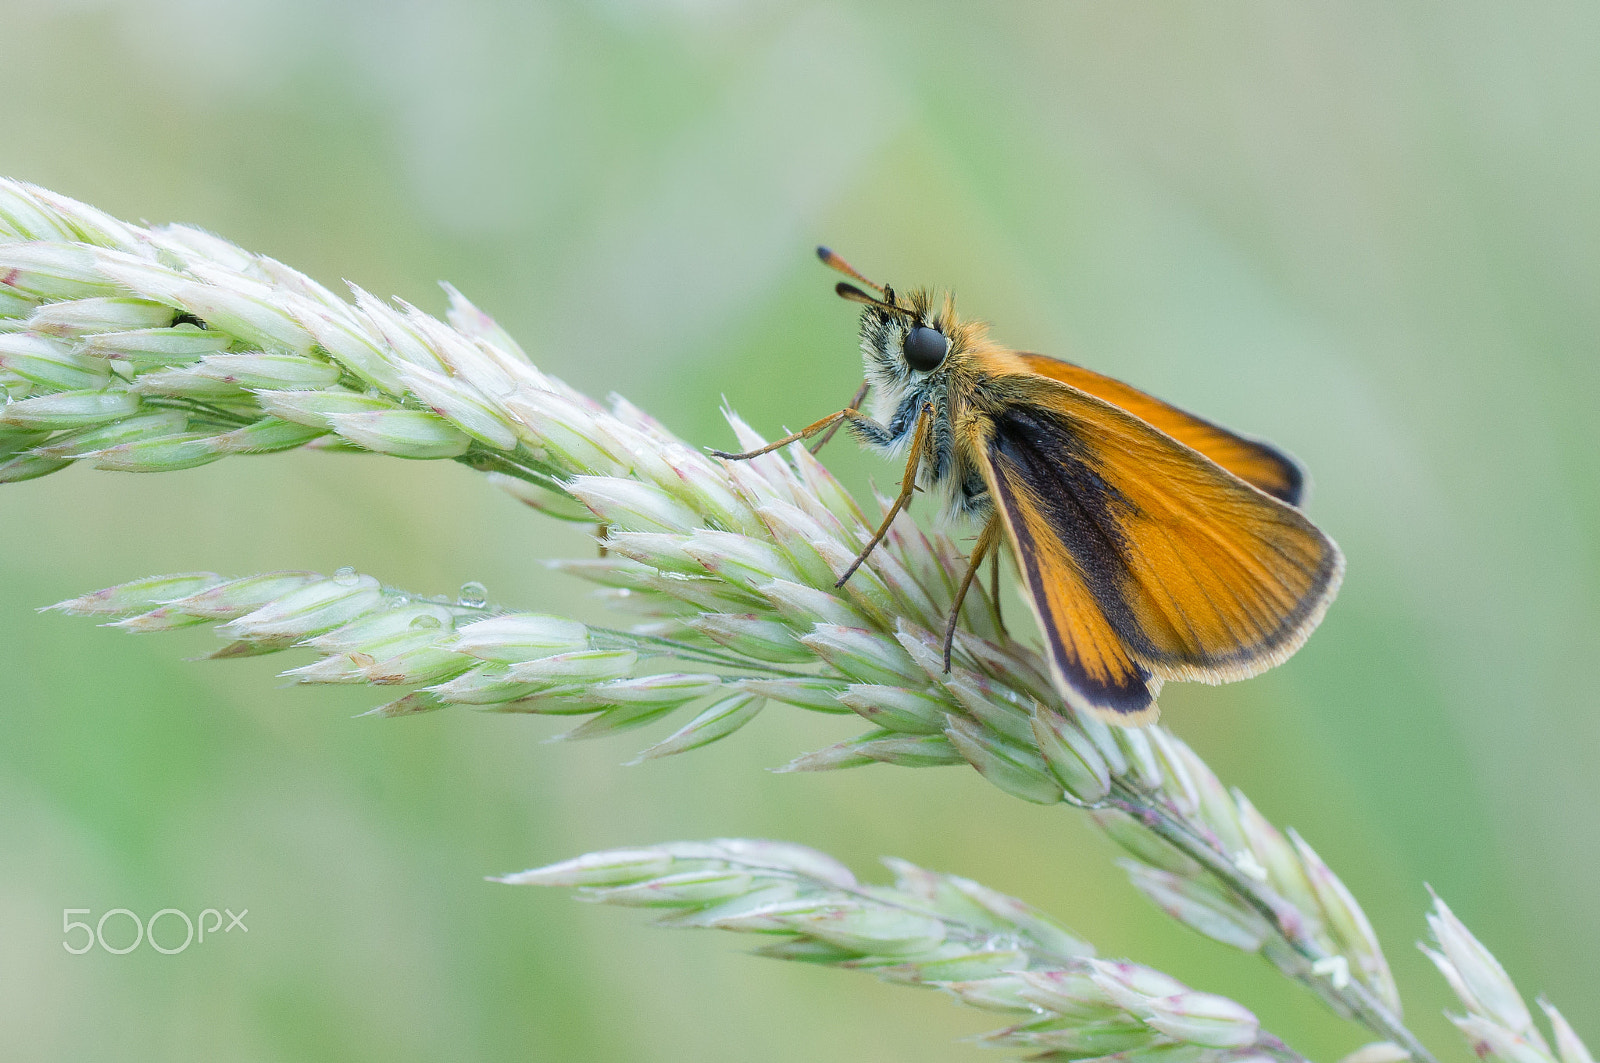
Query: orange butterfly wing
(1144, 559)
(1252, 460)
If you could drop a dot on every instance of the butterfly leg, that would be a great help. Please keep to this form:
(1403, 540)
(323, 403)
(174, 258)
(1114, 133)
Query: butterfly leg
(855, 404)
(908, 484)
(994, 590)
(986, 542)
(849, 413)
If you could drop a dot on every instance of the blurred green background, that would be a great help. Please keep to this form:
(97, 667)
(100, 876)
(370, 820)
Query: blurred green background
(1367, 231)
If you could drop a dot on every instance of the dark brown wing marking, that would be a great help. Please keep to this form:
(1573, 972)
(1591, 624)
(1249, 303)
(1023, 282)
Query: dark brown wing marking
(1143, 558)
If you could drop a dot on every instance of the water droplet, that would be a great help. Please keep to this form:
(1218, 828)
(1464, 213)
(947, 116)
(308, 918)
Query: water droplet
(346, 576)
(426, 621)
(472, 595)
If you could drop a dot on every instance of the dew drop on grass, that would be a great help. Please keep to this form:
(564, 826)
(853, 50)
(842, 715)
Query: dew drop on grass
(346, 576)
(426, 621)
(472, 595)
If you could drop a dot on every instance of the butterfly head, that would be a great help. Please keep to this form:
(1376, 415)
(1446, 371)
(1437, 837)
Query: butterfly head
(906, 338)
(909, 338)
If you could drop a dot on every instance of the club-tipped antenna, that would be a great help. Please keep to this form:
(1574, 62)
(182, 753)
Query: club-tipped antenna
(833, 261)
(849, 291)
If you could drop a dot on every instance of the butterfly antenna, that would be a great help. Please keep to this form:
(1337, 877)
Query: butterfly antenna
(846, 290)
(833, 261)
(849, 291)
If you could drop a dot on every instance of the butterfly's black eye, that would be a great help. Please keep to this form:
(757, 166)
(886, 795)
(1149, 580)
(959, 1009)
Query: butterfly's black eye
(925, 348)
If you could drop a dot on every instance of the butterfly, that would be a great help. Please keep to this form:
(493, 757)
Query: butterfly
(1152, 545)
